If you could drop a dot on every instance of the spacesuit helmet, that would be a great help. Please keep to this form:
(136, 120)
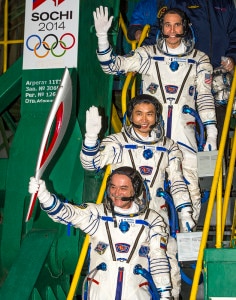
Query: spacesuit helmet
(187, 37)
(157, 127)
(141, 193)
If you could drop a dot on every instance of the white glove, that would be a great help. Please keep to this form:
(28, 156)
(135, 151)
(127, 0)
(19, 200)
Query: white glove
(93, 126)
(211, 142)
(102, 25)
(186, 222)
(227, 63)
(39, 186)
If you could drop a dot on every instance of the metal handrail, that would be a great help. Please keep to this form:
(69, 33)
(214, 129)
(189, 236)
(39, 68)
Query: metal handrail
(218, 169)
(134, 44)
(84, 249)
(5, 41)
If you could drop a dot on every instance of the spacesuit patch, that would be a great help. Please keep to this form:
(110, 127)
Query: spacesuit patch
(208, 78)
(101, 248)
(82, 206)
(152, 88)
(163, 243)
(145, 170)
(143, 251)
(122, 247)
(171, 89)
(161, 11)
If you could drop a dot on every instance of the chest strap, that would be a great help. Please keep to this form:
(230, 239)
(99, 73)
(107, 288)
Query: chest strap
(136, 240)
(183, 83)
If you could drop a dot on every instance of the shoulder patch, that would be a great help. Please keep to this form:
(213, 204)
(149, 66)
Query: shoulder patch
(193, 6)
(101, 148)
(163, 243)
(101, 248)
(143, 251)
(208, 78)
(161, 11)
(152, 88)
(82, 206)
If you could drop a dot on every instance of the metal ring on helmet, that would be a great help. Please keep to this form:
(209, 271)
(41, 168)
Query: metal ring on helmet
(157, 127)
(188, 36)
(141, 193)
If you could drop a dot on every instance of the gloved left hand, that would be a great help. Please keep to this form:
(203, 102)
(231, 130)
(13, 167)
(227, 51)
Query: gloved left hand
(186, 222)
(211, 142)
(102, 25)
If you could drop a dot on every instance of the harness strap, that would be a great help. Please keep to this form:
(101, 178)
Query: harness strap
(158, 164)
(137, 238)
(130, 153)
(109, 236)
(183, 83)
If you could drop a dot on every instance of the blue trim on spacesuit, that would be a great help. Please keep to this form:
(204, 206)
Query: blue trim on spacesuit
(103, 52)
(52, 205)
(90, 150)
(186, 146)
(110, 219)
(57, 210)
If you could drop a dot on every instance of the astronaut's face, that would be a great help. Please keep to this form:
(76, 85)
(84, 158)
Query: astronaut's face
(144, 116)
(172, 26)
(121, 186)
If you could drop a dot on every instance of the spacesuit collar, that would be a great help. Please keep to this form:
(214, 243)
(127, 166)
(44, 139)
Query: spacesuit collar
(148, 138)
(134, 208)
(178, 50)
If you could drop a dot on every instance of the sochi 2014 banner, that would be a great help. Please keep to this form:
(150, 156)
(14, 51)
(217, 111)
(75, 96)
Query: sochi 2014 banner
(51, 34)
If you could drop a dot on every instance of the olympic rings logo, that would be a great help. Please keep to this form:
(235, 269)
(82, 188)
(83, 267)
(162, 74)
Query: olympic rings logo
(49, 44)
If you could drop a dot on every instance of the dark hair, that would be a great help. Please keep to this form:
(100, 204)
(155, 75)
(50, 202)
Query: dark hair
(133, 174)
(144, 98)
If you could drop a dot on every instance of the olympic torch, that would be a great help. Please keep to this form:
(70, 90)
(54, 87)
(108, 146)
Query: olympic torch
(59, 116)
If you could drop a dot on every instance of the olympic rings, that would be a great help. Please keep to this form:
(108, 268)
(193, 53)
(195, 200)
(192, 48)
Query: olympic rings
(59, 55)
(35, 48)
(56, 43)
(46, 45)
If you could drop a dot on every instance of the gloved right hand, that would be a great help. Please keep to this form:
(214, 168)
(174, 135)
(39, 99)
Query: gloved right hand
(39, 186)
(211, 142)
(186, 222)
(93, 126)
(102, 25)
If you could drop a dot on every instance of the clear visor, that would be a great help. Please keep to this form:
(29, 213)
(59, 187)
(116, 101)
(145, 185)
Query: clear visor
(188, 40)
(142, 202)
(156, 133)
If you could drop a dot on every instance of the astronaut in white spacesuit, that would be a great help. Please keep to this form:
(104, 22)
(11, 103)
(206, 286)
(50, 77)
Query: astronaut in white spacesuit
(177, 75)
(128, 239)
(141, 145)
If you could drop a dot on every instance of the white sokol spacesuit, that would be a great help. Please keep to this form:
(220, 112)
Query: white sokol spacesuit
(123, 242)
(176, 77)
(156, 158)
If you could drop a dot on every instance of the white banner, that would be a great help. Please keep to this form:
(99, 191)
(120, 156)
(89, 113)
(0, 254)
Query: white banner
(51, 34)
